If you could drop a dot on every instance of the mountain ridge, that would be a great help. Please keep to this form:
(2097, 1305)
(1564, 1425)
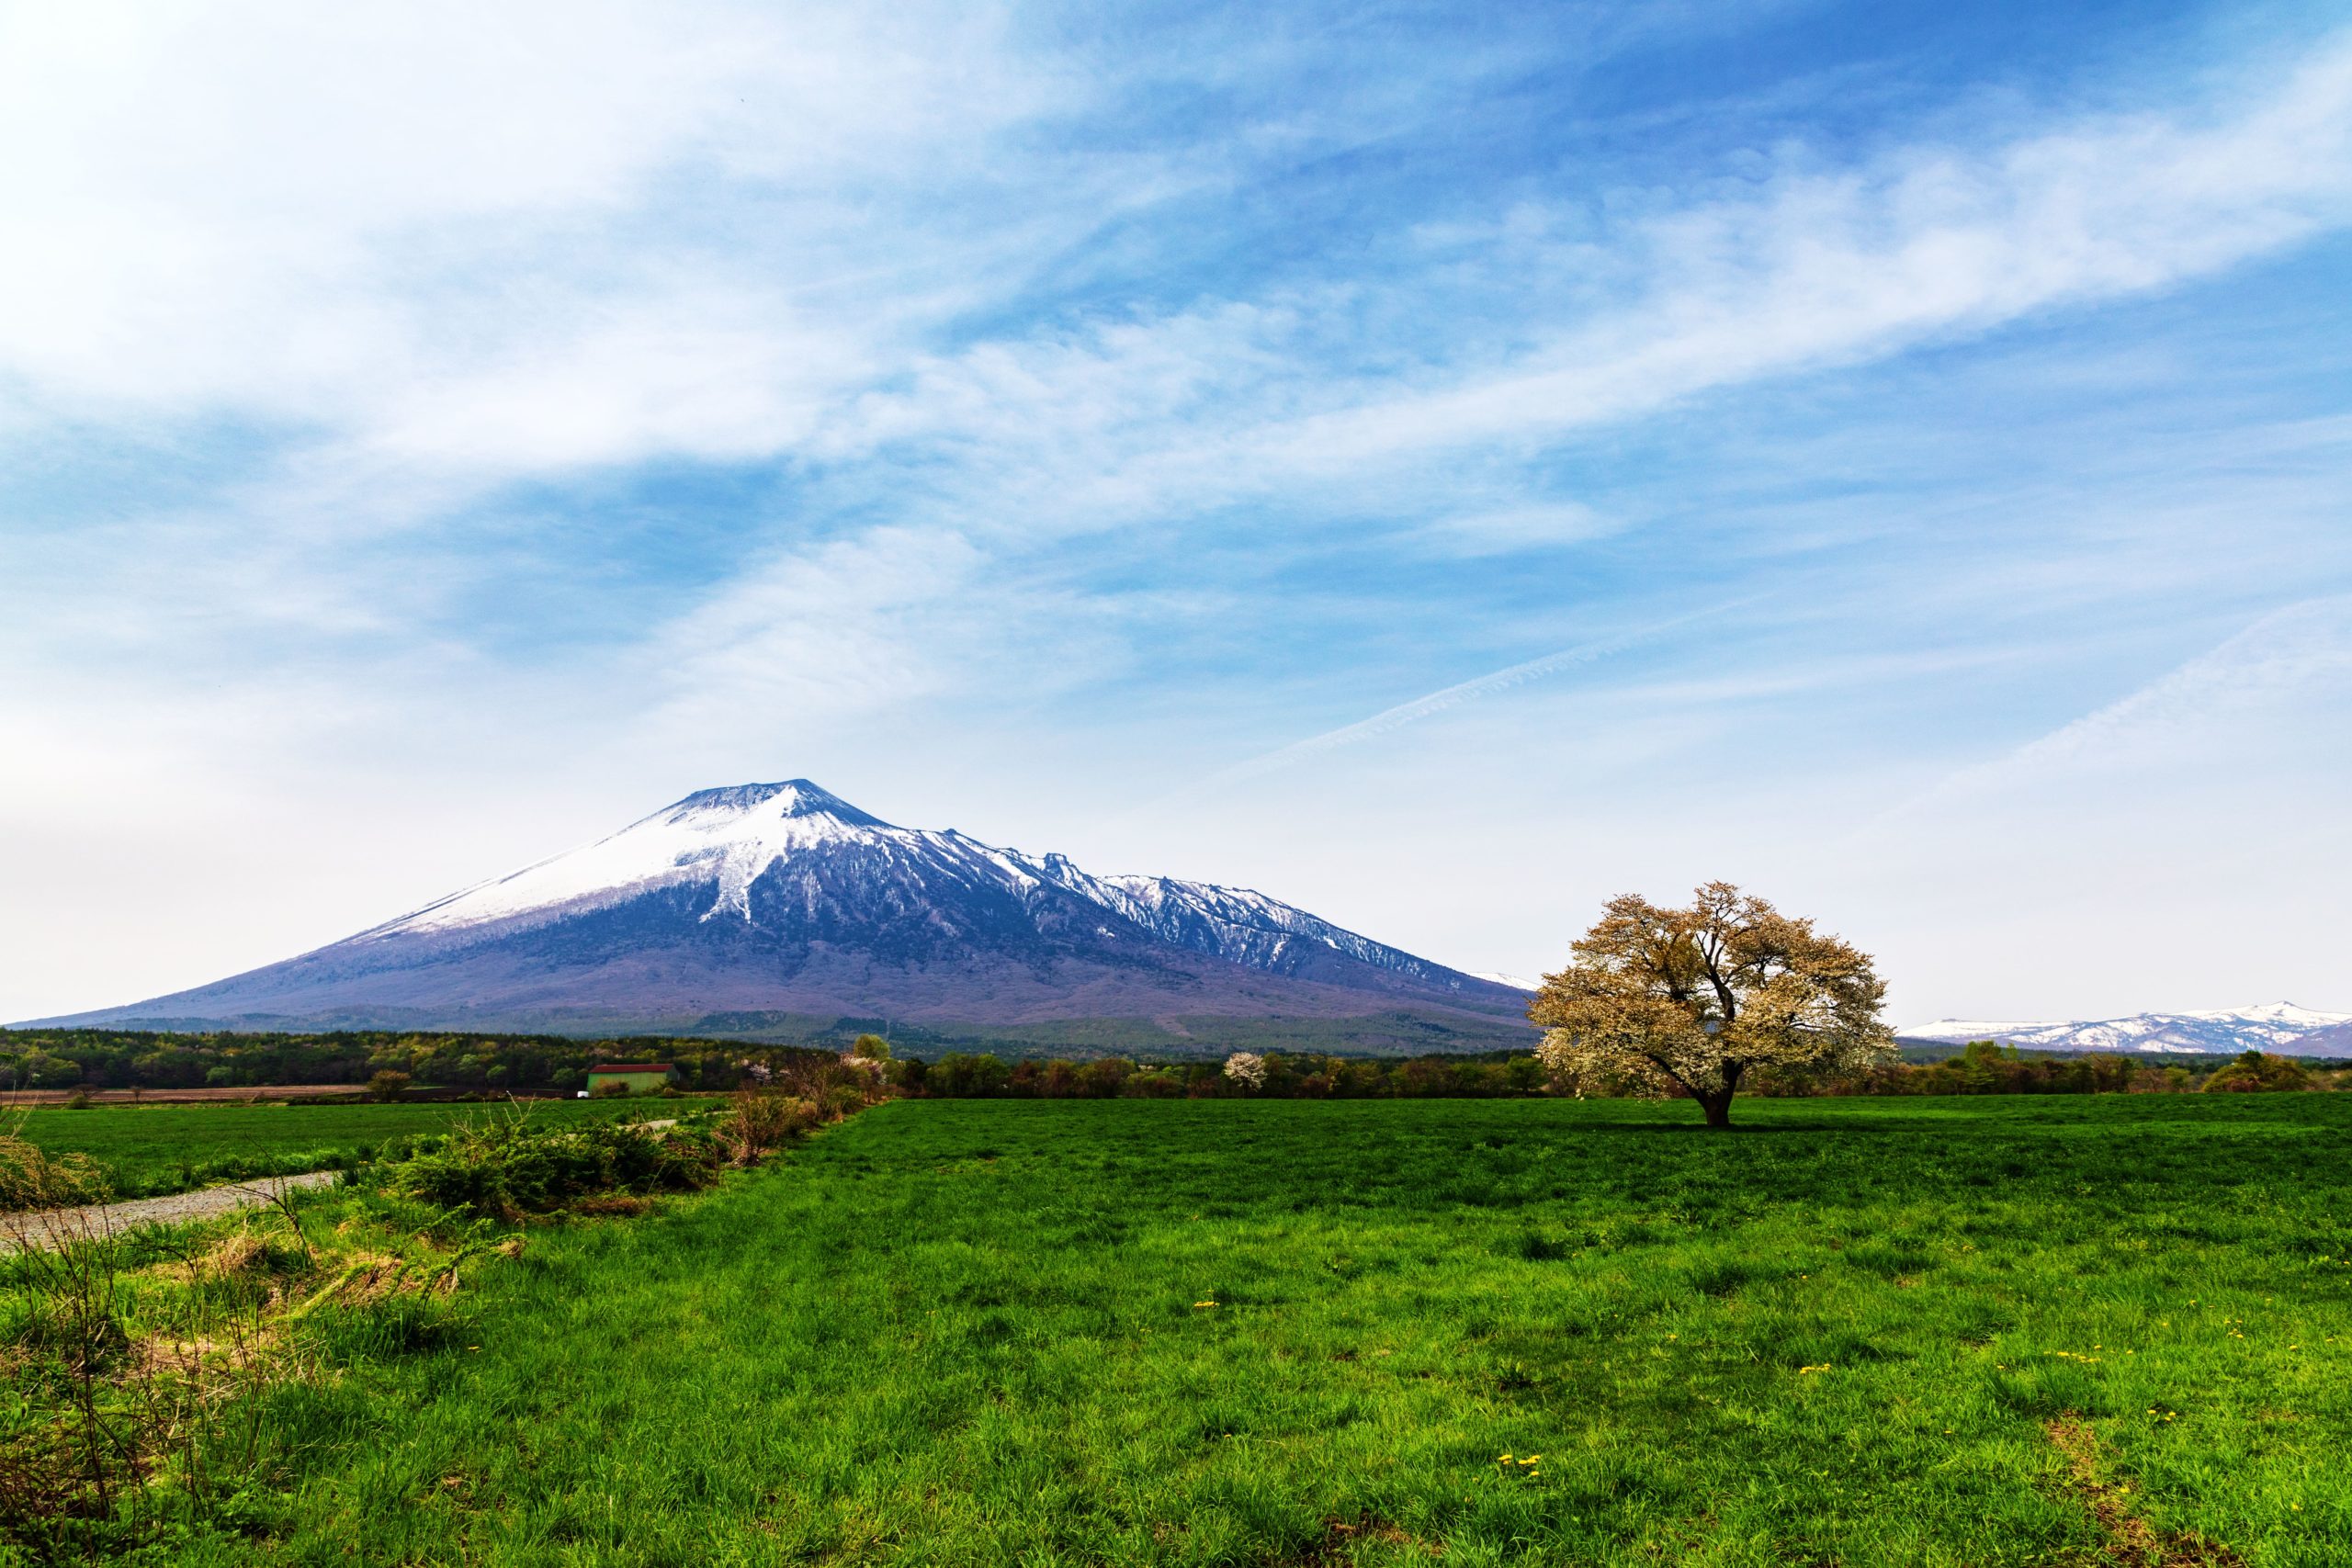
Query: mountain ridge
(2281, 1027)
(785, 899)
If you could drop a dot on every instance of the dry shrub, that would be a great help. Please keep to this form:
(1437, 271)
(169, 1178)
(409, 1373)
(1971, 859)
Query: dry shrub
(190, 1359)
(365, 1277)
(32, 1180)
(417, 1267)
(762, 1120)
(117, 1403)
(151, 1398)
(827, 1080)
(234, 1254)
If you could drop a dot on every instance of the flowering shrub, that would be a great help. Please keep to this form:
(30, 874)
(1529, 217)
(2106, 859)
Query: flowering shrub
(1247, 1068)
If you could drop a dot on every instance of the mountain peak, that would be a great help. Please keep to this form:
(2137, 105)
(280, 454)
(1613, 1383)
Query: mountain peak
(2276, 1012)
(729, 835)
(792, 797)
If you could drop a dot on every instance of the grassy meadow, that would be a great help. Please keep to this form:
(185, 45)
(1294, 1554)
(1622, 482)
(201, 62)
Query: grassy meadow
(2082, 1330)
(151, 1149)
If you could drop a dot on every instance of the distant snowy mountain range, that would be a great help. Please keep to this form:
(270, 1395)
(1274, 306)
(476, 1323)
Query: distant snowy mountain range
(2273, 1026)
(773, 909)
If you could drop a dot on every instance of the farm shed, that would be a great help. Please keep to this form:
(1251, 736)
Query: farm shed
(637, 1078)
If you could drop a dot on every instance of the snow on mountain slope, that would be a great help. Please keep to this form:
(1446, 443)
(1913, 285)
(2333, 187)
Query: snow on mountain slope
(726, 840)
(1232, 922)
(782, 898)
(727, 836)
(2270, 1026)
(1516, 982)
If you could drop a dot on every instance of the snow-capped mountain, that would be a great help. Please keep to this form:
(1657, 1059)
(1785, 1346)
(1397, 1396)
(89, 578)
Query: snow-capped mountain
(2272, 1026)
(783, 902)
(1516, 982)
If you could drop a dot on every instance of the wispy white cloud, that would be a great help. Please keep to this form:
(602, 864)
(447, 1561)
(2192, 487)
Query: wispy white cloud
(1388, 720)
(1826, 267)
(867, 626)
(1230, 402)
(283, 209)
(2261, 699)
(1502, 531)
(815, 634)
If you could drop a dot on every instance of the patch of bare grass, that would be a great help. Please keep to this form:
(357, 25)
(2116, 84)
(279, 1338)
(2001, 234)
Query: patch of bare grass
(2131, 1541)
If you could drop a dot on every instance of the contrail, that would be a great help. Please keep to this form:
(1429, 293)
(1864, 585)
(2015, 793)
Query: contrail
(1390, 719)
(2301, 643)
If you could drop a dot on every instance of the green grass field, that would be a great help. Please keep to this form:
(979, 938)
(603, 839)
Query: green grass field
(151, 1149)
(1959, 1332)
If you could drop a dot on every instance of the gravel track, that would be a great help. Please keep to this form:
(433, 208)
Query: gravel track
(47, 1227)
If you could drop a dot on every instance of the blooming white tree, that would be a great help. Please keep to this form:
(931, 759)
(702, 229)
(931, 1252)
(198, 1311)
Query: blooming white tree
(1687, 1000)
(1247, 1068)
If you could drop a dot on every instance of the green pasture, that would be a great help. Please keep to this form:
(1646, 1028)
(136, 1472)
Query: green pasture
(1857, 1332)
(149, 1149)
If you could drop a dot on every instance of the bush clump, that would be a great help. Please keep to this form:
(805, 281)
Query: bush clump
(31, 1179)
(762, 1121)
(2258, 1072)
(505, 1166)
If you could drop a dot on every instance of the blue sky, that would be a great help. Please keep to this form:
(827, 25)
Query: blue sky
(1441, 466)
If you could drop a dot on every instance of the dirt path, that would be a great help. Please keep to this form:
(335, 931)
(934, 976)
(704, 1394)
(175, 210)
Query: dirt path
(47, 1227)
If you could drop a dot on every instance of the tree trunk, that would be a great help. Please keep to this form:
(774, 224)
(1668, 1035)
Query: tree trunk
(1718, 1107)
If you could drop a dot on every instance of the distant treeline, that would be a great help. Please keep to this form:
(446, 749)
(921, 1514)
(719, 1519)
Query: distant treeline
(101, 1058)
(961, 1076)
(122, 1059)
(1982, 1067)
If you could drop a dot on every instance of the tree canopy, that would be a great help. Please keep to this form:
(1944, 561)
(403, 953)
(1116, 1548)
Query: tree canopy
(2259, 1071)
(1687, 1000)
